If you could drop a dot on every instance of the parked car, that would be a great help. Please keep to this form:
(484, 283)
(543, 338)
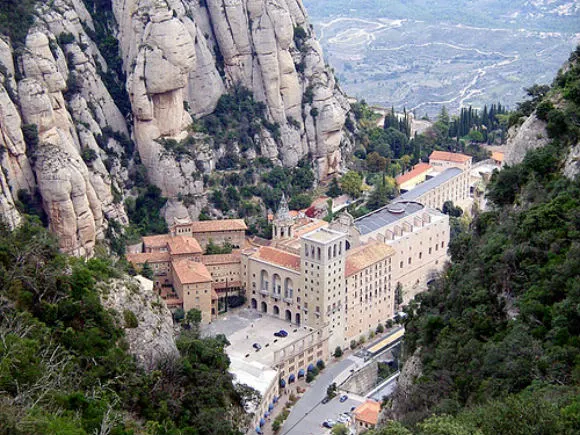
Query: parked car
(329, 423)
(343, 418)
(257, 346)
(281, 333)
(343, 398)
(326, 400)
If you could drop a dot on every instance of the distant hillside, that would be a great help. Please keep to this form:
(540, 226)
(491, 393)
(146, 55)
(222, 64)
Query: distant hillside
(422, 55)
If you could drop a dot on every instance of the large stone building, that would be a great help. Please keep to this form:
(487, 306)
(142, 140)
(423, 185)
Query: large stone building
(419, 236)
(446, 178)
(183, 276)
(325, 287)
(220, 232)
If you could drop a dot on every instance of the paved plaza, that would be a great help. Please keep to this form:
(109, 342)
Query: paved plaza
(245, 327)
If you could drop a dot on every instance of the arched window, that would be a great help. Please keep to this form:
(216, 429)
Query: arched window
(276, 284)
(288, 289)
(264, 280)
(334, 250)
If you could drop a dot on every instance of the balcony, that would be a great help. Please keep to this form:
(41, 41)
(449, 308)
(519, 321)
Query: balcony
(265, 292)
(288, 300)
(276, 296)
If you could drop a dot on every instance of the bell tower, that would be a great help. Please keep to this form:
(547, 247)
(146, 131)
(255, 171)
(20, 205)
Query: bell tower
(282, 222)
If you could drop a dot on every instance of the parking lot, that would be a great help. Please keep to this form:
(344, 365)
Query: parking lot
(245, 327)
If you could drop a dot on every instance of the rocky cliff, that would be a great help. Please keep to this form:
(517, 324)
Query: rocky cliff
(145, 318)
(91, 81)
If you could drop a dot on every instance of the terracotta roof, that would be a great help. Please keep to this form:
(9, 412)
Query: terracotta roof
(159, 241)
(218, 225)
(148, 257)
(364, 256)
(449, 157)
(368, 412)
(191, 272)
(183, 245)
(234, 257)
(416, 171)
(276, 256)
(497, 156)
(214, 295)
(307, 225)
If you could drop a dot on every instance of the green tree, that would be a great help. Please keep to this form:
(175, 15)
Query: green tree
(147, 272)
(334, 189)
(375, 162)
(382, 193)
(351, 184)
(337, 352)
(339, 429)
(331, 390)
(398, 294)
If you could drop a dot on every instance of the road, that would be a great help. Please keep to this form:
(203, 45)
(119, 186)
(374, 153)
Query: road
(308, 414)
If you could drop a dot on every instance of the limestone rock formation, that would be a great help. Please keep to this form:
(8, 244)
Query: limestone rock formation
(62, 98)
(67, 127)
(151, 337)
(193, 52)
(531, 134)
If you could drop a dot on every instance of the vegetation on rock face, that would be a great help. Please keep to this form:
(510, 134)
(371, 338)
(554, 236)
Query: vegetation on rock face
(498, 333)
(16, 17)
(64, 366)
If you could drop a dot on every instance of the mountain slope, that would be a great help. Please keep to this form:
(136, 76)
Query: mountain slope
(497, 335)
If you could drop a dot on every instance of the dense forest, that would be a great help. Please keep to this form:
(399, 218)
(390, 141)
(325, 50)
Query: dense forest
(495, 342)
(64, 362)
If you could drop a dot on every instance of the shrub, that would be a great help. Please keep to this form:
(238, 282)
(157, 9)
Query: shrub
(66, 38)
(380, 329)
(320, 364)
(337, 352)
(353, 344)
(89, 155)
(130, 319)
(309, 377)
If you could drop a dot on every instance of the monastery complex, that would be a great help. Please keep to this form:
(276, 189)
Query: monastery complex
(338, 280)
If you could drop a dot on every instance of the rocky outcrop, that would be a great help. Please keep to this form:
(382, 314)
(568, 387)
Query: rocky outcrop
(530, 135)
(193, 52)
(145, 318)
(179, 58)
(572, 165)
(63, 104)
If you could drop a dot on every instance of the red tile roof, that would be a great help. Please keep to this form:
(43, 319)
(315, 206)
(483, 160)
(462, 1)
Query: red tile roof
(497, 156)
(449, 157)
(234, 257)
(190, 272)
(148, 257)
(416, 171)
(218, 225)
(159, 241)
(276, 256)
(368, 412)
(364, 256)
(183, 245)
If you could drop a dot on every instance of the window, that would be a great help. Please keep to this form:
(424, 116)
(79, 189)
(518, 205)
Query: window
(401, 265)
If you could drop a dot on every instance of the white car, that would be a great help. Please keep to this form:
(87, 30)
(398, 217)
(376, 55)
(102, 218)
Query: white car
(343, 418)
